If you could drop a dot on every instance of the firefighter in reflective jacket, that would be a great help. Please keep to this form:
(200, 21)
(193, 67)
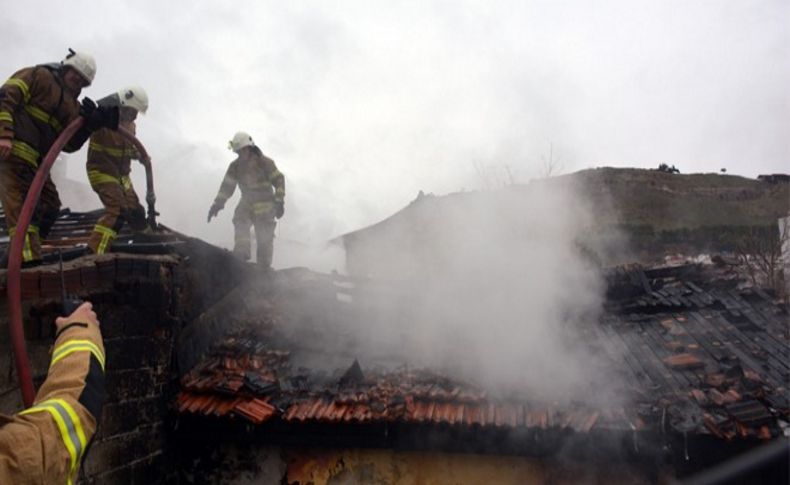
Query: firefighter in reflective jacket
(262, 198)
(109, 165)
(36, 104)
(45, 443)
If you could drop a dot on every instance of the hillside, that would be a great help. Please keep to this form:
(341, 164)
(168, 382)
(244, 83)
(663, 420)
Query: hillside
(679, 201)
(617, 215)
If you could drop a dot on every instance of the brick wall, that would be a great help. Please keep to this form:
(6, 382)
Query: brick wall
(142, 303)
(139, 318)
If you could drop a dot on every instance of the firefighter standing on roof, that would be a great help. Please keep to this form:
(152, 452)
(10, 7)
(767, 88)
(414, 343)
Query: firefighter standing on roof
(45, 443)
(36, 104)
(262, 198)
(109, 165)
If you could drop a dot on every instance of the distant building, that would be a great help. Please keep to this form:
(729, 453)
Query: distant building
(775, 178)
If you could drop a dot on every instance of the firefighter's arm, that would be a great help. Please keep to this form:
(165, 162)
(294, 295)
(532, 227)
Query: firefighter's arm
(14, 94)
(131, 127)
(226, 190)
(277, 179)
(49, 439)
(96, 117)
(23, 445)
(84, 133)
(76, 370)
(227, 187)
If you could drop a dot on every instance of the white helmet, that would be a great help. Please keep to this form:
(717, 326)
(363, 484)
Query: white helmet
(239, 141)
(82, 63)
(133, 97)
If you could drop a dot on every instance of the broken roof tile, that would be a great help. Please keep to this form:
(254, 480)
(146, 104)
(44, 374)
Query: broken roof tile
(684, 361)
(246, 369)
(255, 410)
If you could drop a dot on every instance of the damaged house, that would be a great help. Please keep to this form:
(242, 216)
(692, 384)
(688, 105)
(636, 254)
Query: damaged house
(457, 350)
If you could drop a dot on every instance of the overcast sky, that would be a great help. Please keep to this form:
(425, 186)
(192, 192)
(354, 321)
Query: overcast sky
(364, 103)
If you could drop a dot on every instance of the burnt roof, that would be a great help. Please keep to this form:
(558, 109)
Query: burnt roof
(700, 355)
(71, 231)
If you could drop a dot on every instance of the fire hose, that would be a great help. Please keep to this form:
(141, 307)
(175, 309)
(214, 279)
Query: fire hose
(14, 292)
(150, 196)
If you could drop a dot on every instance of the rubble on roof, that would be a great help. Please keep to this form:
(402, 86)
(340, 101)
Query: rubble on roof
(225, 385)
(70, 233)
(699, 354)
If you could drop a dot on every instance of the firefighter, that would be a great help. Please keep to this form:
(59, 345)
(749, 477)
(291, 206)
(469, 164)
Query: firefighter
(45, 443)
(109, 165)
(262, 198)
(36, 104)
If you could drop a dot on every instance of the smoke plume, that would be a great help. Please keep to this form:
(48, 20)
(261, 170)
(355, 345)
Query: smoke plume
(492, 286)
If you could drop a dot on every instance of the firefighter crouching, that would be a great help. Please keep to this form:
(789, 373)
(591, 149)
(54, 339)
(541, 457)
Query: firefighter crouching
(109, 166)
(262, 198)
(36, 104)
(45, 444)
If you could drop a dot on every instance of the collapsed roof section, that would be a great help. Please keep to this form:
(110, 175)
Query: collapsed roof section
(699, 356)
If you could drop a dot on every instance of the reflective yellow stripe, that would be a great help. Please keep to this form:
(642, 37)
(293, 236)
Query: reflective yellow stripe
(31, 229)
(22, 85)
(27, 247)
(6, 116)
(44, 117)
(25, 152)
(112, 151)
(275, 174)
(107, 236)
(262, 207)
(96, 177)
(71, 346)
(27, 251)
(126, 182)
(71, 431)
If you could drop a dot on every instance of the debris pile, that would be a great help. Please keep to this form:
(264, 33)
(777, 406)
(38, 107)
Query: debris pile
(699, 356)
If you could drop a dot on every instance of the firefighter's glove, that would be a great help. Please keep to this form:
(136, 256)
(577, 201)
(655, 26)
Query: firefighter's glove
(279, 209)
(87, 108)
(215, 208)
(99, 116)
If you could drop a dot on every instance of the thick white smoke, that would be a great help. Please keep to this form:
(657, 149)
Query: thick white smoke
(491, 286)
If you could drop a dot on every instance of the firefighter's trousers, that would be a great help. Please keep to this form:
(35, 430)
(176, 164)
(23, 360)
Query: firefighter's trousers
(261, 216)
(120, 205)
(16, 176)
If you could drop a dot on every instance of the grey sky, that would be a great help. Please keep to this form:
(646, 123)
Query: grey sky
(362, 104)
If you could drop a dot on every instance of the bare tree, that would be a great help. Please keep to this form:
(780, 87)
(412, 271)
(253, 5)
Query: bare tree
(482, 174)
(492, 176)
(759, 252)
(510, 178)
(551, 165)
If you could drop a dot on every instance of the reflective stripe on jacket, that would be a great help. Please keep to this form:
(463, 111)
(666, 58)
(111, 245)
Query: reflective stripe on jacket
(34, 109)
(109, 158)
(257, 177)
(46, 443)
